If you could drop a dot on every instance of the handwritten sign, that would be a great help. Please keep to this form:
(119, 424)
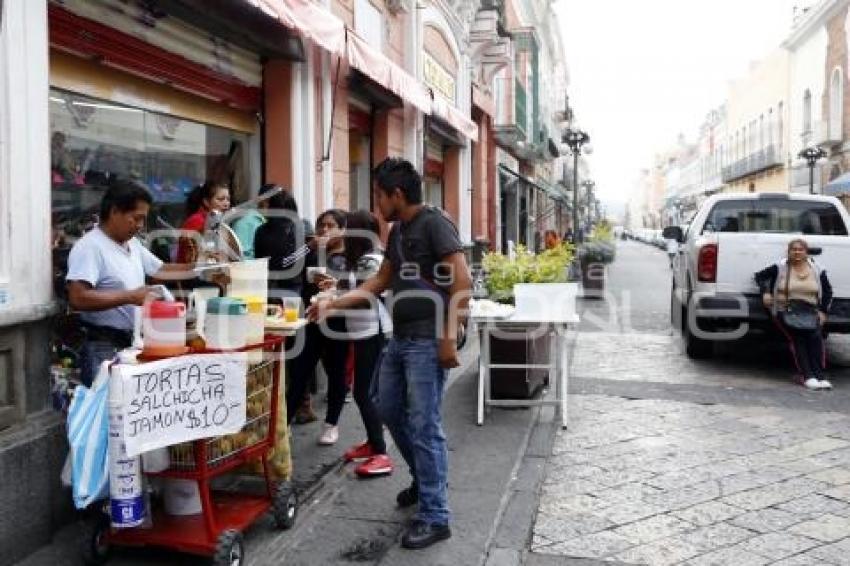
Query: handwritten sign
(181, 399)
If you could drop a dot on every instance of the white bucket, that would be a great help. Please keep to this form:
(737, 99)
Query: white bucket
(181, 497)
(545, 301)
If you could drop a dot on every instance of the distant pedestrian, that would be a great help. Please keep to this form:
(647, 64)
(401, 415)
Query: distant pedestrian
(798, 294)
(426, 270)
(551, 239)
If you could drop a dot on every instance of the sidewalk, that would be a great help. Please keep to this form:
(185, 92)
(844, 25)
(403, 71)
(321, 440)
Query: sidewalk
(495, 473)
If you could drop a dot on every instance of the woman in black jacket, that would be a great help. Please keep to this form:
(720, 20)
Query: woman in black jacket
(799, 278)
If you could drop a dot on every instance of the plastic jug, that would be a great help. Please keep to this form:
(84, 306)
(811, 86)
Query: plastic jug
(226, 323)
(249, 279)
(164, 328)
(256, 318)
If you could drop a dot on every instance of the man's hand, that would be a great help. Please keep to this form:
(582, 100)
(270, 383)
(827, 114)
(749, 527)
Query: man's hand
(767, 299)
(822, 318)
(447, 354)
(319, 310)
(138, 296)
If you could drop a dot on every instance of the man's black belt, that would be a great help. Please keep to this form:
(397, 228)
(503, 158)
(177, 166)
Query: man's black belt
(115, 336)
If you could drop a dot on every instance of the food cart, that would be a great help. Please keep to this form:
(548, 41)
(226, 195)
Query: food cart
(225, 514)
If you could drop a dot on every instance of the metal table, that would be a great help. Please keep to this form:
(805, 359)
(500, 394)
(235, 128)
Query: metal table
(558, 366)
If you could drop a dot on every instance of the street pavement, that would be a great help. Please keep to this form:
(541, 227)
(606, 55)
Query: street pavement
(665, 461)
(671, 461)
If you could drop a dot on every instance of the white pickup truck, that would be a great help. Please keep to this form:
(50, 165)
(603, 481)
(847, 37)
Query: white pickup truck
(733, 236)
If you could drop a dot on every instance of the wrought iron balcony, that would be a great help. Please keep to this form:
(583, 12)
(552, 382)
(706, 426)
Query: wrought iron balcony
(762, 160)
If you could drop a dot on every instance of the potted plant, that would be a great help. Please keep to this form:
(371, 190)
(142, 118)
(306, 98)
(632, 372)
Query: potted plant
(598, 251)
(502, 274)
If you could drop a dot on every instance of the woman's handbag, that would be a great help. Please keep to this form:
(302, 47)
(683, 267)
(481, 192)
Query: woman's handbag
(800, 315)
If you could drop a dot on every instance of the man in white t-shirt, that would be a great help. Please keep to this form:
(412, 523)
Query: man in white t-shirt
(106, 276)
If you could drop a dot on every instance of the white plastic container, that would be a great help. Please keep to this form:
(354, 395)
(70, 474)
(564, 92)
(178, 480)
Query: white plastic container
(126, 488)
(249, 278)
(226, 324)
(545, 301)
(164, 328)
(181, 497)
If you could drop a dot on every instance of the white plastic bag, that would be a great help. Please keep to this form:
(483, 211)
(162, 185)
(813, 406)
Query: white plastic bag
(87, 434)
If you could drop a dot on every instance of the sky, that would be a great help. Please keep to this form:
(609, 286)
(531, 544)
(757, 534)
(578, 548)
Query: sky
(644, 71)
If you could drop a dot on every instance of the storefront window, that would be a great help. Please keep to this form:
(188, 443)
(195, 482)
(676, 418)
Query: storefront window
(95, 141)
(432, 191)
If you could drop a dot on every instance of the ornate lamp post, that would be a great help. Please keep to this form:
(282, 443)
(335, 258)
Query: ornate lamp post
(588, 187)
(812, 155)
(575, 140)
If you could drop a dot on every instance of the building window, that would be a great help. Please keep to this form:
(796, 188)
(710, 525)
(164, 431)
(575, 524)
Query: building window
(807, 112)
(770, 126)
(836, 105)
(761, 133)
(94, 142)
(780, 126)
(369, 23)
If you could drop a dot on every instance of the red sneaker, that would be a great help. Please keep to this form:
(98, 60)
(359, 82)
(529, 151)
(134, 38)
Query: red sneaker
(377, 465)
(358, 453)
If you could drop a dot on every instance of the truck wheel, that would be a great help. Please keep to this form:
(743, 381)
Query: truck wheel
(230, 550)
(695, 348)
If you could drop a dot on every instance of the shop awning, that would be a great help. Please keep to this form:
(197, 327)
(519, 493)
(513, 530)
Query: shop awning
(309, 19)
(383, 71)
(452, 116)
(838, 186)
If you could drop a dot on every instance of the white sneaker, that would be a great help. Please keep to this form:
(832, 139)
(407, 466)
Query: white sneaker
(825, 384)
(329, 436)
(812, 383)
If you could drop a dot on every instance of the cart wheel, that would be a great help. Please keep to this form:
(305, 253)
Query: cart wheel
(285, 506)
(95, 546)
(230, 550)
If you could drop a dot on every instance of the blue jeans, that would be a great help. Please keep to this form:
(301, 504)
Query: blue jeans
(92, 354)
(409, 395)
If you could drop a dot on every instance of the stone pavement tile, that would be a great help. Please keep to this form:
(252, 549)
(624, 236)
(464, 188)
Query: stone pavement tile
(626, 493)
(686, 496)
(778, 545)
(774, 494)
(728, 556)
(835, 476)
(716, 536)
(813, 505)
(805, 559)
(596, 545)
(826, 528)
(767, 520)
(653, 528)
(708, 513)
(813, 447)
(835, 553)
(659, 553)
(624, 513)
(841, 492)
(561, 528)
(551, 502)
(808, 465)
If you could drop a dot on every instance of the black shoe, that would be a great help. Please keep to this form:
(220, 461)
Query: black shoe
(421, 534)
(408, 496)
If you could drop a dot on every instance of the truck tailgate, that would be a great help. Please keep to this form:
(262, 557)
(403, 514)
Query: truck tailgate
(740, 255)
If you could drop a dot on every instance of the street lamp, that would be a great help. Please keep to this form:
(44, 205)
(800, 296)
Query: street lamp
(812, 155)
(588, 187)
(575, 140)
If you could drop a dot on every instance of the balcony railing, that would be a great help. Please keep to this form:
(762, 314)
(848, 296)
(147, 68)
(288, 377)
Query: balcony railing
(757, 162)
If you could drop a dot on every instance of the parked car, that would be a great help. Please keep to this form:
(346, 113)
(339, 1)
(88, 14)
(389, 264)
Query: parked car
(734, 235)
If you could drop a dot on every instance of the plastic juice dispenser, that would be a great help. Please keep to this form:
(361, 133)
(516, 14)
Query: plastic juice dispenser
(164, 328)
(226, 323)
(256, 325)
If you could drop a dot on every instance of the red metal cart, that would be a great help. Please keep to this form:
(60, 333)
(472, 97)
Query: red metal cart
(217, 531)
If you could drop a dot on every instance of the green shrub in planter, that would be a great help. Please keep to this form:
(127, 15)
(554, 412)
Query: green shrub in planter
(549, 266)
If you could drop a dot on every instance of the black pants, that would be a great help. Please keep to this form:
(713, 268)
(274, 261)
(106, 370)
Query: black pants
(333, 354)
(807, 350)
(367, 355)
